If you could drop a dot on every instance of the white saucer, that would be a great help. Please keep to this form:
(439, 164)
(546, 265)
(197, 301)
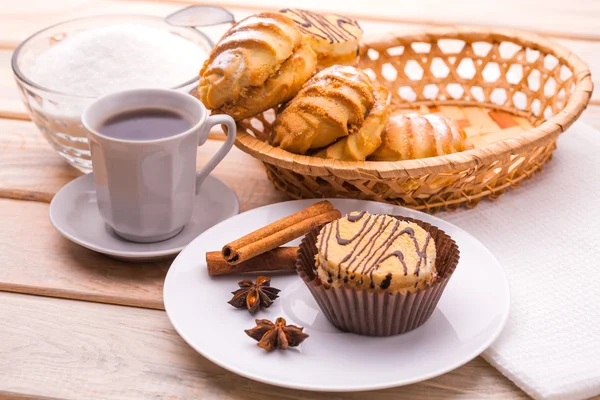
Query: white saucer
(74, 213)
(470, 315)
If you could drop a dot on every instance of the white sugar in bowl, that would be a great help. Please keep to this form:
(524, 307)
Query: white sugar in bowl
(63, 68)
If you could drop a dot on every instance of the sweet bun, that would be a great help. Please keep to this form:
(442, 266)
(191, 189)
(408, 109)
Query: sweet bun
(333, 37)
(358, 145)
(411, 136)
(259, 63)
(335, 103)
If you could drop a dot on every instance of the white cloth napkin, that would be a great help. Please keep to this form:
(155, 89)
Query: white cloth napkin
(546, 235)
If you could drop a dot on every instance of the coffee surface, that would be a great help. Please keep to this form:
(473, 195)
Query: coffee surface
(144, 124)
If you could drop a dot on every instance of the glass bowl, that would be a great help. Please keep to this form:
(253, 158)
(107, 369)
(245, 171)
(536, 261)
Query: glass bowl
(58, 115)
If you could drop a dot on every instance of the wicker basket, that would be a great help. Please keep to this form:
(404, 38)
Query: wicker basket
(516, 93)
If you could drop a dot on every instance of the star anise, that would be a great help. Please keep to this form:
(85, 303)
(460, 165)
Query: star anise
(253, 296)
(278, 335)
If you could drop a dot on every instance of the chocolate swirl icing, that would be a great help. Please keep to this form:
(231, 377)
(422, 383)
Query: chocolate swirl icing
(371, 232)
(334, 28)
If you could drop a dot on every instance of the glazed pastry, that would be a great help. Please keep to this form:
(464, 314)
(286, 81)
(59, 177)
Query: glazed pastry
(377, 275)
(359, 144)
(335, 103)
(334, 38)
(259, 63)
(411, 136)
(363, 250)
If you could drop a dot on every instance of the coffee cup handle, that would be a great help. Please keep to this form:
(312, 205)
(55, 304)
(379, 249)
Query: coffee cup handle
(221, 119)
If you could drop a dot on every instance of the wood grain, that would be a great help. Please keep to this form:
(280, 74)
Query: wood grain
(29, 167)
(69, 349)
(19, 19)
(11, 105)
(551, 17)
(36, 259)
(31, 170)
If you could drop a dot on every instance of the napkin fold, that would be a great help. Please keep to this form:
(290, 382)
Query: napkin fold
(546, 235)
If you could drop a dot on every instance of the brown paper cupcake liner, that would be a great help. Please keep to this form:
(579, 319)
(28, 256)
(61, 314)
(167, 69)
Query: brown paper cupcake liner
(375, 312)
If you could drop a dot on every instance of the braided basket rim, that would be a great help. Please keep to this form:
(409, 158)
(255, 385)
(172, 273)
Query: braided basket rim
(550, 129)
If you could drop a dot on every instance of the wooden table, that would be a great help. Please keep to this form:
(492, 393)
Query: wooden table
(75, 324)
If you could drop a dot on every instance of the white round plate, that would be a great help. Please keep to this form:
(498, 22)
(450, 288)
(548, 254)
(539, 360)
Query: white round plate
(470, 315)
(74, 213)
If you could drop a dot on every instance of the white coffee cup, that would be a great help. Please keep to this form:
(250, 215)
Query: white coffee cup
(146, 188)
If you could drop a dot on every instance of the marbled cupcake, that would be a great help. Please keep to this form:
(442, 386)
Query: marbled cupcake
(377, 275)
(363, 250)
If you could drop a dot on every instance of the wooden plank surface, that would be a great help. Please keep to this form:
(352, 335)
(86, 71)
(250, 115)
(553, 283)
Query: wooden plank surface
(555, 17)
(11, 105)
(29, 167)
(36, 259)
(66, 349)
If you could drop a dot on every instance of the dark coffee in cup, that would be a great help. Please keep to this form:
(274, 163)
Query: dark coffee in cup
(145, 124)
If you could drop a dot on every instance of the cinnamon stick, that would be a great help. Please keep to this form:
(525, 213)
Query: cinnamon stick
(279, 259)
(280, 232)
